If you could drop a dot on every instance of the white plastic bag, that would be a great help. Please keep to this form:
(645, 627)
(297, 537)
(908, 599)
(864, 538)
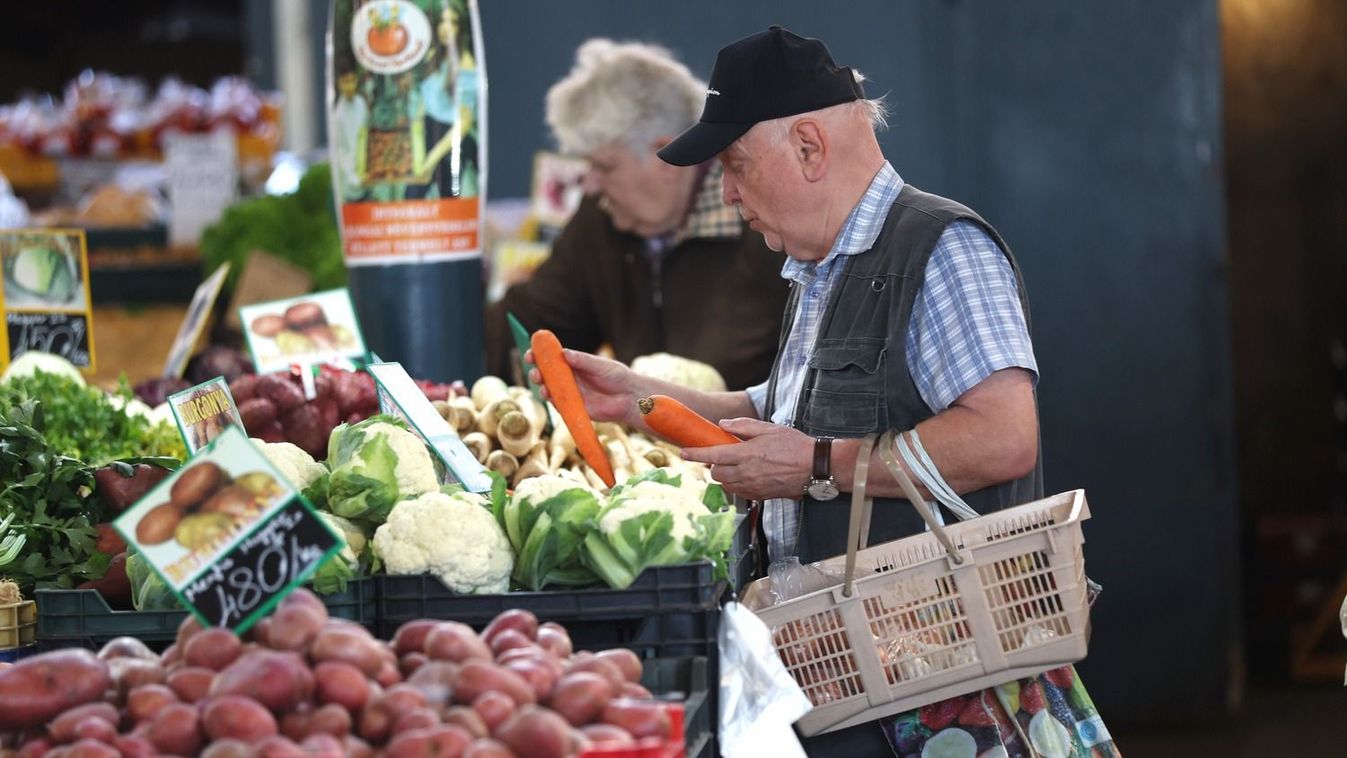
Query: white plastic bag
(758, 698)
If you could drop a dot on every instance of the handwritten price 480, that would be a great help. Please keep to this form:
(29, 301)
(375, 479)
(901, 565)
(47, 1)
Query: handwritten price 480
(245, 587)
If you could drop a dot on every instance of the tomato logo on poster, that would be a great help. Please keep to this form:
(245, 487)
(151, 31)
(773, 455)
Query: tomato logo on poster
(390, 36)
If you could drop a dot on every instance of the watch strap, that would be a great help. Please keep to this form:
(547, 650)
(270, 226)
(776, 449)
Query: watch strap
(823, 447)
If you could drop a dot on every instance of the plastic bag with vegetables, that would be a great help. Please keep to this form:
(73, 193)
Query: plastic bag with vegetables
(546, 520)
(374, 464)
(659, 518)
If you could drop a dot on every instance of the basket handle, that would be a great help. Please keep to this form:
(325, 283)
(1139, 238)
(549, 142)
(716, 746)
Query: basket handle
(858, 528)
(886, 446)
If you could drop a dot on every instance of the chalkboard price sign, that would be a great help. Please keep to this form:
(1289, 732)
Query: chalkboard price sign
(64, 334)
(247, 581)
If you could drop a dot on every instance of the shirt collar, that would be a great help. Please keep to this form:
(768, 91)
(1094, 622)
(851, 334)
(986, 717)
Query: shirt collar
(709, 216)
(861, 228)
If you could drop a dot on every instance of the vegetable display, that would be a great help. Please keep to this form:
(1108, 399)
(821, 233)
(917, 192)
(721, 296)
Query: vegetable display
(374, 464)
(453, 536)
(304, 683)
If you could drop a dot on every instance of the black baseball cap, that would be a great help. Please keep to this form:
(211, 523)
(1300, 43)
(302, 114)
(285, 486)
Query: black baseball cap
(771, 74)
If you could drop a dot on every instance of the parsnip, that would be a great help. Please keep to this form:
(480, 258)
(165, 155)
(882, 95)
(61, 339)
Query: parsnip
(478, 444)
(489, 417)
(487, 390)
(516, 433)
(502, 462)
(462, 415)
(535, 464)
(562, 445)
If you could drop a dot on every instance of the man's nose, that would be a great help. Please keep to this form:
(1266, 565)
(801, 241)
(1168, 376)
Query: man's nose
(729, 193)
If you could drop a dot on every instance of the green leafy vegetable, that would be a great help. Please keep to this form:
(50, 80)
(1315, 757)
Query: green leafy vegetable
(546, 520)
(148, 591)
(374, 464)
(90, 425)
(300, 228)
(42, 506)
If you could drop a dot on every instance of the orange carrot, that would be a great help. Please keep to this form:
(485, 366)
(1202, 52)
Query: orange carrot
(680, 424)
(560, 382)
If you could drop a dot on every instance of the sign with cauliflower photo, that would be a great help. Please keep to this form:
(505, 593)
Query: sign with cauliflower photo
(45, 295)
(228, 534)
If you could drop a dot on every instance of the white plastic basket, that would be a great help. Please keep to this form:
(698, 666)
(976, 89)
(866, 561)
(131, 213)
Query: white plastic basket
(937, 614)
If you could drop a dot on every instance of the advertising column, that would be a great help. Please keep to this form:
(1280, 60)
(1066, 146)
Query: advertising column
(407, 131)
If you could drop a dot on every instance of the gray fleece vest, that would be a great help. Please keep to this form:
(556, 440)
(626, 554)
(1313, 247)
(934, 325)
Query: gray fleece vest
(858, 381)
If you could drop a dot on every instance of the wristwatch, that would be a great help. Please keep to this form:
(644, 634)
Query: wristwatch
(822, 485)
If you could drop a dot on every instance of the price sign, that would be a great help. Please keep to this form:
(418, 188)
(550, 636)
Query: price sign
(45, 297)
(228, 534)
(399, 396)
(317, 328)
(203, 412)
(198, 313)
(203, 180)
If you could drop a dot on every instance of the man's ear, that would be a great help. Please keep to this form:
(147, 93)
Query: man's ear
(809, 144)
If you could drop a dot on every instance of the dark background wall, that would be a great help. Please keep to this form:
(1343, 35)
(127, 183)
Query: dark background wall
(1090, 135)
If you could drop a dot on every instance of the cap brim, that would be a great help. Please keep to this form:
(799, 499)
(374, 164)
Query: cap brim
(701, 142)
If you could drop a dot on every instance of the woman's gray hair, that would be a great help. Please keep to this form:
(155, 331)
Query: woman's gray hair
(627, 93)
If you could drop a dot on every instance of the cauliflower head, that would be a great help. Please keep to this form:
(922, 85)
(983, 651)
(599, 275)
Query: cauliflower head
(374, 464)
(453, 536)
(680, 370)
(298, 467)
(683, 504)
(539, 488)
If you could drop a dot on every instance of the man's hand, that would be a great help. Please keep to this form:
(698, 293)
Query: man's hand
(772, 461)
(609, 388)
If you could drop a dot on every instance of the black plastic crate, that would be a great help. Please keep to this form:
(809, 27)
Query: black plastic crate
(82, 618)
(657, 591)
(685, 680)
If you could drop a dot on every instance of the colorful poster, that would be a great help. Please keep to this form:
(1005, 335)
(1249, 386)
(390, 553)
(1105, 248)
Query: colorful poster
(407, 129)
(45, 295)
(204, 412)
(228, 535)
(316, 328)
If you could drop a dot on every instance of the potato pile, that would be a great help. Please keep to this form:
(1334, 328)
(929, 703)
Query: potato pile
(306, 684)
(504, 427)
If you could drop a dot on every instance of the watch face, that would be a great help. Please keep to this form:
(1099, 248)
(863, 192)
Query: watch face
(822, 489)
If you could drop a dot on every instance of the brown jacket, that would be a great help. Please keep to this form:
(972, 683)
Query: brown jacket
(723, 299)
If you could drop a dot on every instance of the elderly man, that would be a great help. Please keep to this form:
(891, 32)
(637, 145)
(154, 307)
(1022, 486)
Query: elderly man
(652, 261)
(907, 311)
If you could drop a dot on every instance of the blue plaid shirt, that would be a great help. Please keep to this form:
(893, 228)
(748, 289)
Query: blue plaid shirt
(967, 323)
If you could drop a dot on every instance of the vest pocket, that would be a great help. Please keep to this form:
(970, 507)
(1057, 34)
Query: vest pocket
(847, 390)
(863, 353)
(842, 414)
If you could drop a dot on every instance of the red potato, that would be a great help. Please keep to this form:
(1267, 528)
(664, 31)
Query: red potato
(95, 728)
(607, 735)
(435, 679)
(416, 718)
(307, 598)
(467, 718)
(554, 639)
(277, 680)
(581, 696)
(411, 636)
(191, 683)
(487, 748)
(172, 656)
(295, 724)
(538, 675)
(322, 746)
(509, 639)
(294, 627)
(341, 683)
(37, 689)
(536, 732)
(277, 747)
(238, 717)
(143, 703)
(640, 718)
(176, 730)
(130, 673)
(518, 619)
(626, 662)
(388, 675)
(378, 718)
(62, 728)
(134, 746)
(228, 748)
(330, 719)
(494, 708)
(186, 629)
(528, 651)
(212, 649)
(257, 413)
(636, 692)
(357, 748)
(91, 748)
(347, 646)
(603, 667)
(476, 677)
(410, 662)
(452, 641)
(126, 647)
(35, 748)
(438, 741)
